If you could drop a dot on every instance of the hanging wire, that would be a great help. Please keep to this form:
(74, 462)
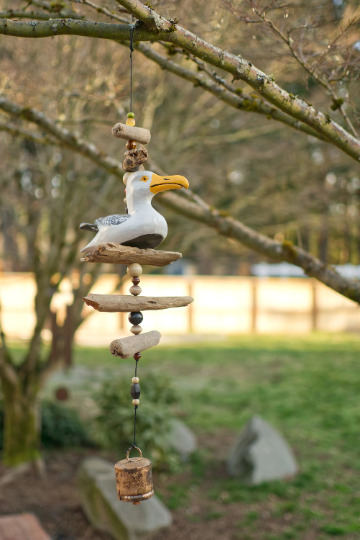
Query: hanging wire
(135, 409)
(131, 32)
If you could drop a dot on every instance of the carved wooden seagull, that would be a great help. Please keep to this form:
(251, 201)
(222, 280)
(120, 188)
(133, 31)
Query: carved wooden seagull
(143, 227)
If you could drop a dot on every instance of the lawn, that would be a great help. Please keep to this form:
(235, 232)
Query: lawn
(307, 387)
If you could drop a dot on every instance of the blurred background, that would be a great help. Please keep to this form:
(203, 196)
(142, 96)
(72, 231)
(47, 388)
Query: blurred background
(261, 340)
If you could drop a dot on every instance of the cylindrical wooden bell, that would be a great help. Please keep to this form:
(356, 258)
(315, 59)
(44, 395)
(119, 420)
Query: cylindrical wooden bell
(134, 479)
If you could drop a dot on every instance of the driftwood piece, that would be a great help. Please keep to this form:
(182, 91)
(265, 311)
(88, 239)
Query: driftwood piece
(129, 133)
(134, 158)
(117, 254)
(116, 303)
(126, 347)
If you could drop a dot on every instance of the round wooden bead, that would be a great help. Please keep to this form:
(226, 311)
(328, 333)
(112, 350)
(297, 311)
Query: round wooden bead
(136, 329)
(135, 390)
(131, 145)
(135, 317)
(135, 290)
(135, 280)
(135, 380)
(136, 401)
(134, 269)
(137, 356)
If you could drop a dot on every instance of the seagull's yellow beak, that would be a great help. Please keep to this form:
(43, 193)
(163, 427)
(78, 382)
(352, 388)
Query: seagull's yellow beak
(163, 183)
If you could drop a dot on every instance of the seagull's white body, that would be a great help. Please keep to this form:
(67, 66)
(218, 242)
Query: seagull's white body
(143, 226)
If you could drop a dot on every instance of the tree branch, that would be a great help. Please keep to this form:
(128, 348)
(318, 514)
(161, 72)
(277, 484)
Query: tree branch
(63, 135)
(55, 27)
(241, 101)
(19, 132)
(226, 226)
(285, 251)
(246, 71)
(318, 77)
(160, 29)
(38, 15)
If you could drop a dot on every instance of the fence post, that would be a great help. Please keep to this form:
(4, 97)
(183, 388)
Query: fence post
(55, 337)
(314, 307)
(190, 308)
(254, 304)
(68, 336)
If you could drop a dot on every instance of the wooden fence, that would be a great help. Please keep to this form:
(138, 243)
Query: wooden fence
(222, 305)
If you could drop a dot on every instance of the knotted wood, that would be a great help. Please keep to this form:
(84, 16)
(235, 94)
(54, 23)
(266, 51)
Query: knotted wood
(134, 158)
(128, 346)
(130, 133)
(113, 253)
(116, 303)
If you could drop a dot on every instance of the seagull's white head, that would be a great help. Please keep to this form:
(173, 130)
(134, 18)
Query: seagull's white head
(143, 185)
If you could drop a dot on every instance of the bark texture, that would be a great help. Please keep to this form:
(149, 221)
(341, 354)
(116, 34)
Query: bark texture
(115, 303)
(134, 158)
(130, 133)
(127, 347)
(21, 424)
(117, 254)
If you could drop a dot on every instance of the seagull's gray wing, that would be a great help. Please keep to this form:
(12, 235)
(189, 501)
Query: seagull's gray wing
(115, 219)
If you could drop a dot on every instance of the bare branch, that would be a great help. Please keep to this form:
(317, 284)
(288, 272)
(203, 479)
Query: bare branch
(104, 11)
(171, 32)
(246, 71)
(238, 100)
(63, 135)
(226, 226)
(19, 132)
(38, 15)
(312, 71)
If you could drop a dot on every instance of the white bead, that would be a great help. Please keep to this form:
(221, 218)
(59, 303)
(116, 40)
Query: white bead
(136, 329)
(126, 177)
(135, 290)
(134, 270)
(136, 401)
(135, 380)
(125, 201)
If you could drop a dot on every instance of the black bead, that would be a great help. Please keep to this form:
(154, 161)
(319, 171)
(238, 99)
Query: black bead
(135, 391)
(136, 317)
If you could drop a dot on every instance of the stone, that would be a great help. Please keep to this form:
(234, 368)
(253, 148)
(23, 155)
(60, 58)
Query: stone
(182, 439)
(21, 527)
(122, 520)
(261, 454)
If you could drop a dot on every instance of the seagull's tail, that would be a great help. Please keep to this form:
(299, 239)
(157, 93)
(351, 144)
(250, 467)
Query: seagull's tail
(91, 246)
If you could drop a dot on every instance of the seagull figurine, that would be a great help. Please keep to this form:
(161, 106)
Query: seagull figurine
(143, 227)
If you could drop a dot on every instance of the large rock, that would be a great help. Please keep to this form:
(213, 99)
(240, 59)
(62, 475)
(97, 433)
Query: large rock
(261, 454)
(182, 439)
(124, 521)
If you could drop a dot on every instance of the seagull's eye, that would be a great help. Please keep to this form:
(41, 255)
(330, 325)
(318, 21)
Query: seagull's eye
(144, 179)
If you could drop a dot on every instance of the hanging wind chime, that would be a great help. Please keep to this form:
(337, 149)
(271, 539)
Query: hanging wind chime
(130, 239)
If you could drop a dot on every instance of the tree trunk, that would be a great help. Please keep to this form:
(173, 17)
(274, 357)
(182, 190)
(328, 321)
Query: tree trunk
(21, 422)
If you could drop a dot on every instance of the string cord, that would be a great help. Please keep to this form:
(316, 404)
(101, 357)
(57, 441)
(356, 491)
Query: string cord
(135, 409)
(131, 32)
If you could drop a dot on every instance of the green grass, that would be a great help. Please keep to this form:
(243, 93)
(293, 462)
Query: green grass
(307, 387)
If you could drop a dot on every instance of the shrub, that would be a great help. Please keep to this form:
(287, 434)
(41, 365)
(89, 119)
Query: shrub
(116, 419)
(61, 427)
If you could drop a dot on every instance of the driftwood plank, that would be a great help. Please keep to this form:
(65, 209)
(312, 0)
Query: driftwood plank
(117, 254)
(126, 347)
(130, 133)
(116, 303)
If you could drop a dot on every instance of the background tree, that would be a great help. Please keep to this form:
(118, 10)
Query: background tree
(289, 169)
